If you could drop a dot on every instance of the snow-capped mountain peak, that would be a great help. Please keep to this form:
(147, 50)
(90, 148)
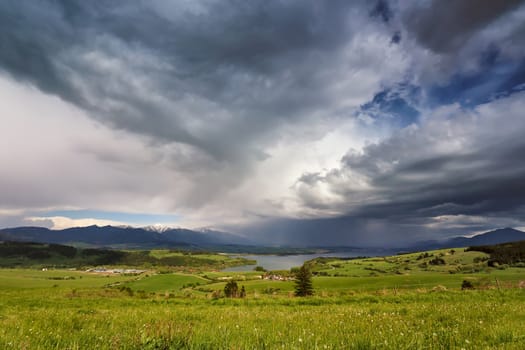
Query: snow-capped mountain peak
(157, 228)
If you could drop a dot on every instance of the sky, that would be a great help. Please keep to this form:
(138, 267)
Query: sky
(290, 122)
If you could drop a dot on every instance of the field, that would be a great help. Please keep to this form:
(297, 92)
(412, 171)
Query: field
(396, 302)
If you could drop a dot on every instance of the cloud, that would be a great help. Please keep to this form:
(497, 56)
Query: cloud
(22, 220)
(207, 76)
(456, 162)
(445, 29)
(206, 89)
(449, 40)
(382, 10)
(62, 222)
(56, 157)
(343, 120)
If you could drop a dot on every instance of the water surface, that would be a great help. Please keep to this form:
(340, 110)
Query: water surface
(286, 262)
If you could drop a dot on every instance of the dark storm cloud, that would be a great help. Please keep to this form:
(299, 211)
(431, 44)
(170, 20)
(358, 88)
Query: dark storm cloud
(27, 49)
(486, 179)
(228, 64)
(456, 164)
(382, 10)
(340, 231)
(396, 38)
(444, 27)
(212, 88)
(214, 81)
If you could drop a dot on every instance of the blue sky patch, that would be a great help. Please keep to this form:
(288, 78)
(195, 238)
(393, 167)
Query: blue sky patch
(469, 90)
(396, 105)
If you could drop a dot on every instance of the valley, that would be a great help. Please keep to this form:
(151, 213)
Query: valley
(416, 300)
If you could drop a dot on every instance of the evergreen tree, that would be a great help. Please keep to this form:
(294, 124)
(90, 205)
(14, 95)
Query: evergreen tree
(303, 282)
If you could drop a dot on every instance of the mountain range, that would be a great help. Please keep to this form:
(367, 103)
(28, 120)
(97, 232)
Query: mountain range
(502, 235)
(130, 237)
(162, 237)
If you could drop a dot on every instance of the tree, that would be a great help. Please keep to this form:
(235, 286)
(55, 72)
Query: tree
(231, 290)
(243, 292)
(303, 282)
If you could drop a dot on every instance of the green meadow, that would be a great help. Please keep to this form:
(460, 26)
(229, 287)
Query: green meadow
(398, 302)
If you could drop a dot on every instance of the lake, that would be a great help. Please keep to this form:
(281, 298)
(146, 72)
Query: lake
(286, 262)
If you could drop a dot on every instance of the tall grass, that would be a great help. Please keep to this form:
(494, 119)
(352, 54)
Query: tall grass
(109, 319)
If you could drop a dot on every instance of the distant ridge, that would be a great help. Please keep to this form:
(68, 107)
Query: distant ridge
(108, 236)
(503, 235)
(165, 237)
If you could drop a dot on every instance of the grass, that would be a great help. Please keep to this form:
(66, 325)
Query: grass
(105, 319)
(451, 261)
(166, 282)
(375, 303)
(17, 279)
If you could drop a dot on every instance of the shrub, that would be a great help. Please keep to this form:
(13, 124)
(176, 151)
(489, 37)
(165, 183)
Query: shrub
(437, 261)
(231, 289)
(466, 285)
(243, 292)
(423, 256)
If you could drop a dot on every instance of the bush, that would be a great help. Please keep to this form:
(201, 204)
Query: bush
(437, 261)
(466, 285)
(243, 292)
(231, 290)
(423, 256)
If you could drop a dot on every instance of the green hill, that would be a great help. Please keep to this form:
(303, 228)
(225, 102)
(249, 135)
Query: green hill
(38, 255)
